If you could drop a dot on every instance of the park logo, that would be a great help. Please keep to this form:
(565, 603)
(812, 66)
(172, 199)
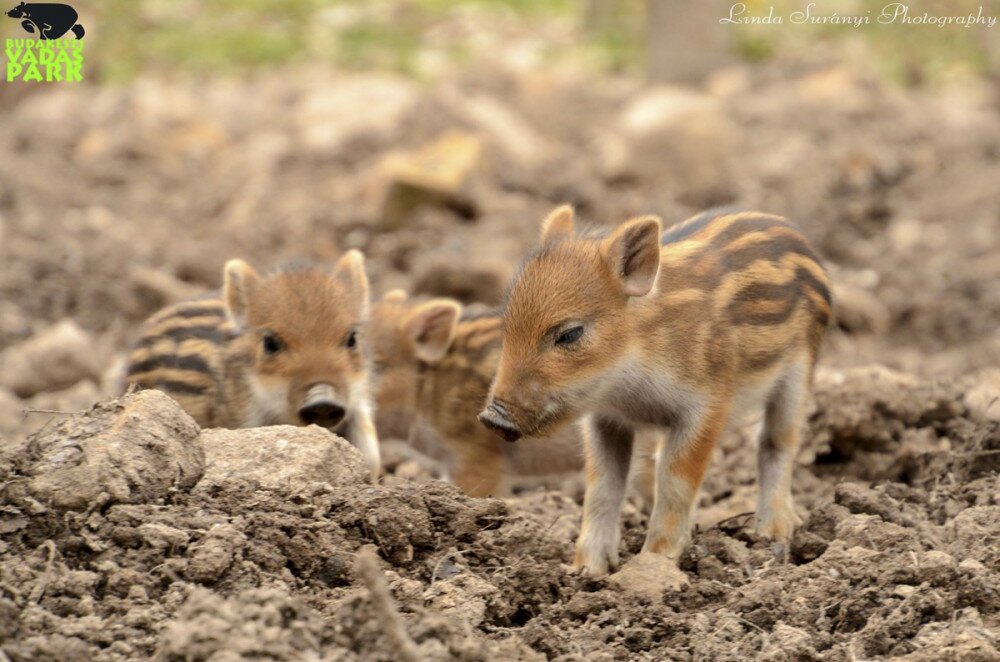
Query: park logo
(55, 52)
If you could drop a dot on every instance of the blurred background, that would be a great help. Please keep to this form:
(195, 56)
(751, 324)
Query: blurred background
(435, 135)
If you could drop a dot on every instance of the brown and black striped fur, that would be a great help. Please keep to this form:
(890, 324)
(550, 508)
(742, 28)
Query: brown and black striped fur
(767, 290)
(186, 350)
(434, 362)
(286, 348)
(683, 330)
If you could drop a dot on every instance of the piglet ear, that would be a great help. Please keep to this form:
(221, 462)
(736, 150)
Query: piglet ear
(350, 269)
(394, 296)
(239, 280)
(557, 225)
(431, 328)
(633, 254)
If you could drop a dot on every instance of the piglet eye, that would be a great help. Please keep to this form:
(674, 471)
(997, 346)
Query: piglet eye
(570, 335)
(271, 344)
(352, 340)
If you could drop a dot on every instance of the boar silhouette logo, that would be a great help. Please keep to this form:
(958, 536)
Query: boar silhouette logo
(47, 20)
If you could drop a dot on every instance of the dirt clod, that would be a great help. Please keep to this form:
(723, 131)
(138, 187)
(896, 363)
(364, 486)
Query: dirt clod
(128, 533)
(136, 450)
(280, 459)
(256, 623)
(647, 576)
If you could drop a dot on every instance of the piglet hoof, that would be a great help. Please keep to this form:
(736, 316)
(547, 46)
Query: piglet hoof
(778, 526)
(597, 566)
(596, 558)
(648, 575)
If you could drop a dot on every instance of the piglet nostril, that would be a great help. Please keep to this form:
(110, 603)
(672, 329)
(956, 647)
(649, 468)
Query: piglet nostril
(323, 413)
(499, 409)
(496, 419)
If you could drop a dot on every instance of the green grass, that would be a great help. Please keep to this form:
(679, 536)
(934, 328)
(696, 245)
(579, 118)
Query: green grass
(213, 36)
(202, 37)
(522, 7)
(906, 53)
(374, 45)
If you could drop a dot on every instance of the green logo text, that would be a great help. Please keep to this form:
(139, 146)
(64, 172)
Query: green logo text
(44, 60)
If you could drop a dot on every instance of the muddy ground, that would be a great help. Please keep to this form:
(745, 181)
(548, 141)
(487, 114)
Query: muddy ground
(129, 533)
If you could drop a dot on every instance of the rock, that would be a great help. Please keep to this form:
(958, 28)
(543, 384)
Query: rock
(135, 450)
(671, 134)
(441, 173)
(647, 576)
(280, 459)
(982, 399)
(53, 359)
(331, 117)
